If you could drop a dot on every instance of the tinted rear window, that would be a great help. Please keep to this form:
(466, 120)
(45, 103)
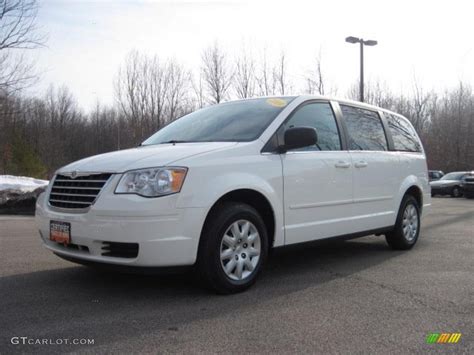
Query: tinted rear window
(365, 129)
(403, 134)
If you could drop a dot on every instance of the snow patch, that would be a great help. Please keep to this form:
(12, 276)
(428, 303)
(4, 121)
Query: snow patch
(21, 183)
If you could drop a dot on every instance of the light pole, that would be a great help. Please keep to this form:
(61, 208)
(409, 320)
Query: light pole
(362, 43)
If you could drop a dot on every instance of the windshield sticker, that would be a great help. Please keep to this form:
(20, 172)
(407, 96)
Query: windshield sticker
(277, 102)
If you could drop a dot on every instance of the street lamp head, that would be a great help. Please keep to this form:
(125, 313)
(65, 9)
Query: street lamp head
(370, 42)
(351, 39)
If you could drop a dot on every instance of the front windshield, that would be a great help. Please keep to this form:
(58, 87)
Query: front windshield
(452, 176)
(237, 121)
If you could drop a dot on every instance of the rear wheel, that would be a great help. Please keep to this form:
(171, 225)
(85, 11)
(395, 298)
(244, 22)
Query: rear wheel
(233, 248)
(456, 191)
(407, 227)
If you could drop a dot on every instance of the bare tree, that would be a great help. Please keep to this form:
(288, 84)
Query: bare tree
(178, 81)
(127, 87)
(62, 115)
(280, 75)
(376, 93)
(155, 84)
(18, 32)
(198, 89)
(244, 78)
(264, 78)
(151, 93)
(448, 134)
(141, 89)
(379, 94)
(315, 79)
(216, 73)
(420, 106)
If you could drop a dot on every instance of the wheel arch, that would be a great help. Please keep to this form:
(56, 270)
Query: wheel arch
(253, 198)
(417, 193)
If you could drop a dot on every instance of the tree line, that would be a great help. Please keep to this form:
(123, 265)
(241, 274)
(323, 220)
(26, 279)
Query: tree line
(40, 134)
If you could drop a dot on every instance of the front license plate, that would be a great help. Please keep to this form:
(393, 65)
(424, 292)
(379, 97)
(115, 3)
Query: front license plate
(60, 232)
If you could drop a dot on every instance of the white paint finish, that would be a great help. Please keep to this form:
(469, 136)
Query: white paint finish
(142, 157)
(414, 172)
(315, 190)
(213, 175)
(376, 181)
(321, 204)
(164, 240)
(337, 220)
(313, 195)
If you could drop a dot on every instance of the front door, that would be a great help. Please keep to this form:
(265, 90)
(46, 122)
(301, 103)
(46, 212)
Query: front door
(317, 179)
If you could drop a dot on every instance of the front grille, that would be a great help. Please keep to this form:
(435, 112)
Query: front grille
(120, 250)
(80, 192)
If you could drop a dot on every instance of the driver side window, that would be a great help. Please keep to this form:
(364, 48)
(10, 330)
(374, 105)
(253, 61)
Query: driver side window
(318, 115)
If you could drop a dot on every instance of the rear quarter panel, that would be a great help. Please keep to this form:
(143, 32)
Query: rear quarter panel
(414, 172)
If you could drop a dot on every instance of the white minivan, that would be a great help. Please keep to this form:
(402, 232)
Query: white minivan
(218, 188)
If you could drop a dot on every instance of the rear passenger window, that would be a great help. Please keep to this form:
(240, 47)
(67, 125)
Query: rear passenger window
(403, 134)
(364, 128)
(319, 116)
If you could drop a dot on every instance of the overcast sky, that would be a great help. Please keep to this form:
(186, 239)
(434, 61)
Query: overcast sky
(88, 40)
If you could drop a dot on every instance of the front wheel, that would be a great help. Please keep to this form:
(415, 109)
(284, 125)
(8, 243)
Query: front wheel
(233, 248)
(407, 227)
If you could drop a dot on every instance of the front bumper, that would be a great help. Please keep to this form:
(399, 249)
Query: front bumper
(166, 235)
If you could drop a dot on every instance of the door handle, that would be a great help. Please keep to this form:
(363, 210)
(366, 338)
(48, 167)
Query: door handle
(342, 165)
(361, 164)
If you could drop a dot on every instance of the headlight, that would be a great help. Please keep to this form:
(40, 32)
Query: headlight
(152, 182)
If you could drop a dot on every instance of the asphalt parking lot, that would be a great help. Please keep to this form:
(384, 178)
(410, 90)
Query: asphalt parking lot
(341, 297)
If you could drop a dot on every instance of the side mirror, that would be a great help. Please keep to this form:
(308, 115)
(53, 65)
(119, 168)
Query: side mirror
(299, 137)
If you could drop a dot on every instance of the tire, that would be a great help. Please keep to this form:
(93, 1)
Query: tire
(407, 227)
(456, 191)
(236, 222)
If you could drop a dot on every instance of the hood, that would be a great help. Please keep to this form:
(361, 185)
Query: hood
(143, 157)
(444, 183)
